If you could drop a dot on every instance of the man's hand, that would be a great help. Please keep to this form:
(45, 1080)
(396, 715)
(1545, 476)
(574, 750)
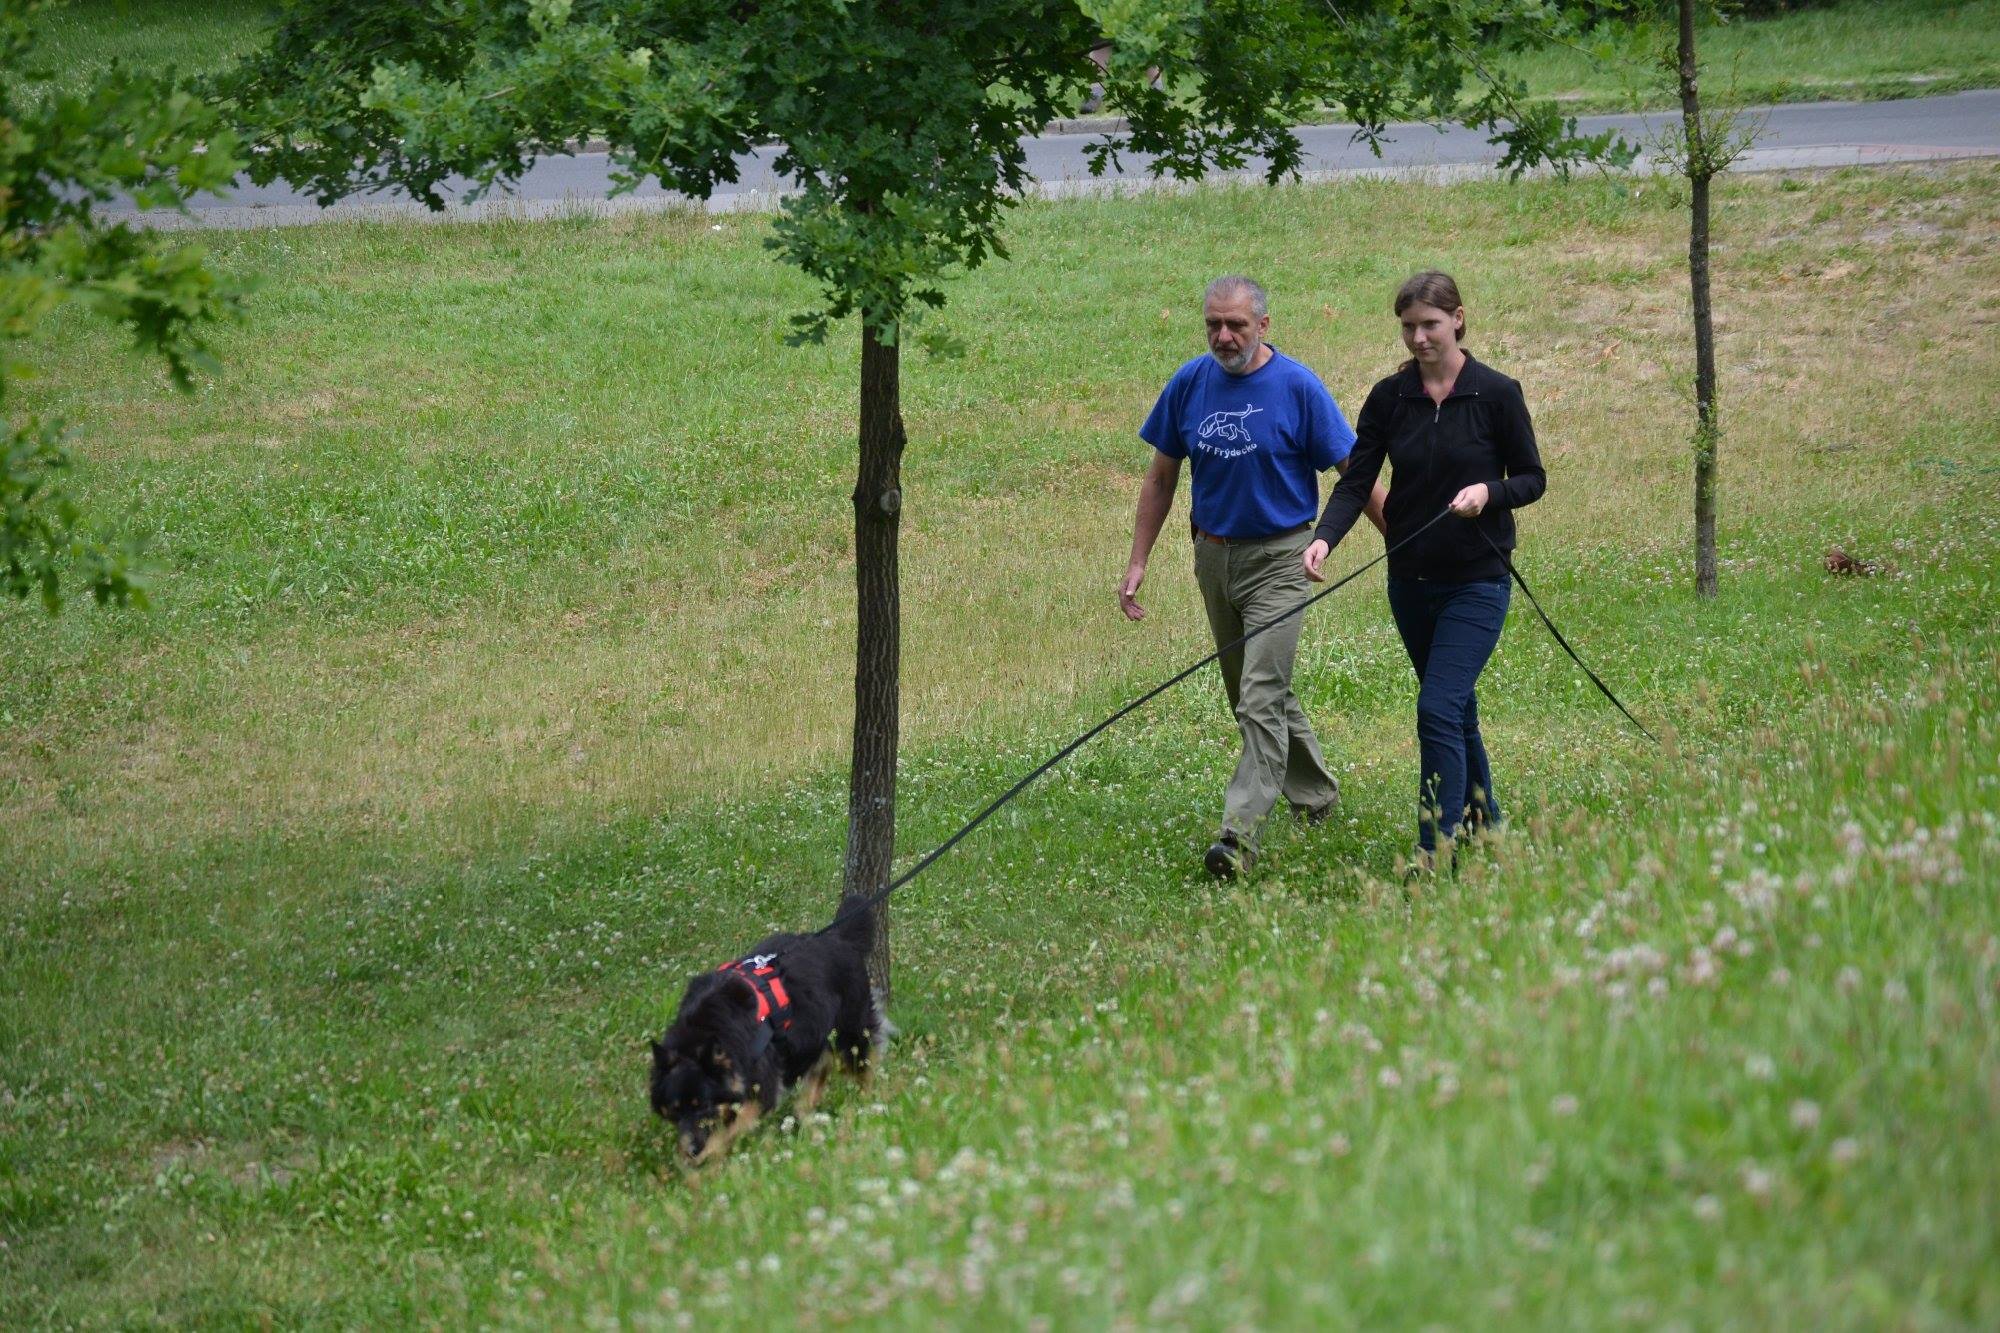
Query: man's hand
(1313, 557)
(1128, 592)
(1468, 502)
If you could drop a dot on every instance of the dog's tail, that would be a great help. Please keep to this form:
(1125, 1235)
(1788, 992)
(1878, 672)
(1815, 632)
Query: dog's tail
(855, 922)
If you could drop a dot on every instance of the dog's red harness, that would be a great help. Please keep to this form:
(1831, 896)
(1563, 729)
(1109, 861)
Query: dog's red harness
(774, 1006)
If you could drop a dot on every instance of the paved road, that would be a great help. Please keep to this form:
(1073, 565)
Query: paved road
(1810, 134)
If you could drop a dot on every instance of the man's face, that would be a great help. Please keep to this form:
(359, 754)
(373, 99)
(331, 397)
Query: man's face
(1234, 331)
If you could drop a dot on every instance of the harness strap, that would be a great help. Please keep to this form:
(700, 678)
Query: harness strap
(774, 1003)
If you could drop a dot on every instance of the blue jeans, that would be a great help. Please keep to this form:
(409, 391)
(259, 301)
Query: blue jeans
(1449, 630)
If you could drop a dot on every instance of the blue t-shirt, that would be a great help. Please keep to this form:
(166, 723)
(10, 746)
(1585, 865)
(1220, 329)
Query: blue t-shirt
(1258, 442)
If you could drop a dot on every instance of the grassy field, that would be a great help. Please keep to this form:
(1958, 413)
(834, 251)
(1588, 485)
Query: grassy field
(1856, 49)
(1860, 49)
(80, 38)
(498, 681)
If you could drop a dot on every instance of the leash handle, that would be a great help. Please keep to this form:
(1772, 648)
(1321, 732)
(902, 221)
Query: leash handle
(875, 899)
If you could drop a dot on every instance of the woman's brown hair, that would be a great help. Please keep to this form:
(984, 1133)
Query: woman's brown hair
(1432, 288)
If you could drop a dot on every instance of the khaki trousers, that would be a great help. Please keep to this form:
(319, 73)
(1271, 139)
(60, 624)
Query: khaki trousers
(1243, 585)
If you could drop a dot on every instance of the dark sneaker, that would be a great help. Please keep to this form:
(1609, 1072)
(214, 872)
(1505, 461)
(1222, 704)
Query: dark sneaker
(1316, 815)
(1227, 858)
(1481, 814)
(1425, 865)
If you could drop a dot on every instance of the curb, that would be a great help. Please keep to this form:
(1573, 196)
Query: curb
(1070, 125)
(257, 216)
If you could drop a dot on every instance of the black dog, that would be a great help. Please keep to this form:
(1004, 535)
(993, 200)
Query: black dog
(755, 1028)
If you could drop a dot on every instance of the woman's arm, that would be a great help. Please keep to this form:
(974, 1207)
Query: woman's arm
(1520, 461)
(1364, 463)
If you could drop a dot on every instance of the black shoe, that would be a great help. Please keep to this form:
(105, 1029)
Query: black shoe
(1227, 858)
(1317, 814)
(1425, 865)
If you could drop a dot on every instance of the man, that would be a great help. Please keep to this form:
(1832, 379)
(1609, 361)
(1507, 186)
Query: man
(1259, 428)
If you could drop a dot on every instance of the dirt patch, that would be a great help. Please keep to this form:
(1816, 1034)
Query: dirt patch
(1907, 230)
(248, 1166)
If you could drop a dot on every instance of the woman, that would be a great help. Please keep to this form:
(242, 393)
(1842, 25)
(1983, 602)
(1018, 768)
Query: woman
(1456, 435)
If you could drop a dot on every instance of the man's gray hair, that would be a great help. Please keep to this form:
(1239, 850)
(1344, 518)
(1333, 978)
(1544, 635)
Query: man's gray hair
(1235, 284)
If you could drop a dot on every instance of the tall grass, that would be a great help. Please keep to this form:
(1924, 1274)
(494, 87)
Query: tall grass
(499, 680)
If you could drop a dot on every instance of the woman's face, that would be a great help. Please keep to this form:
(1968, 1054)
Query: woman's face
(1431, 334)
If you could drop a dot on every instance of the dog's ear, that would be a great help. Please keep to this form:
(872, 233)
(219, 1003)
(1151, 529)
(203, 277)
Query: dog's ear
(662, 1054)
(742, 994)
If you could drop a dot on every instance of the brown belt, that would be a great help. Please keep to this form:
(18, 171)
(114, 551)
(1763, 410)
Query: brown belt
(1248, 541)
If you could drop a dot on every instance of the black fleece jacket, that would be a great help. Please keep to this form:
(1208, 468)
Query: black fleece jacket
(1481, 432)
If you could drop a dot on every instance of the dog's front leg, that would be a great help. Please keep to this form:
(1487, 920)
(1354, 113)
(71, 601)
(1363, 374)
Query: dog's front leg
(746, 1118)
(813, 1086)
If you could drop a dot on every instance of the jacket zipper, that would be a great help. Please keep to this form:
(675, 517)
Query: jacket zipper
(1437, 415)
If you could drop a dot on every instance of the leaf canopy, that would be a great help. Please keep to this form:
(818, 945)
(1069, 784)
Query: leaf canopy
(900, 123)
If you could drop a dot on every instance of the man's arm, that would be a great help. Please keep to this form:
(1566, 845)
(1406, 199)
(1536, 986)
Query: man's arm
(1156, 499)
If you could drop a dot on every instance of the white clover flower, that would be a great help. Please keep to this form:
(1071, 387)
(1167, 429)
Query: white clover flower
(1843, 1151)
(1563, 1104)
(1757, 1182)
(1707, 1207)
(1760, 1067)
(1805, 1115)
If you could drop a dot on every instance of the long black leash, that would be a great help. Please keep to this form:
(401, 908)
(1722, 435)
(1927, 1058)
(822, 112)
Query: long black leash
(853, 909)
(869, 903)
(1602, 687)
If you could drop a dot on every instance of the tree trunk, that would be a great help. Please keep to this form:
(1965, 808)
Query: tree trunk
(1707, 433)
(878, 503)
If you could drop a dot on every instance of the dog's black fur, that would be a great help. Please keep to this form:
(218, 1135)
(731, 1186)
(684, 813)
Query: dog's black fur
(714, 1075)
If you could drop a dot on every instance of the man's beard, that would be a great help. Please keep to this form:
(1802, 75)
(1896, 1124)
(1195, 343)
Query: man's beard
(1236, 364)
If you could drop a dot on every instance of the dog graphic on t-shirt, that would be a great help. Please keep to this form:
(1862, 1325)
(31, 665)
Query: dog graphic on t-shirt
(1232, 427)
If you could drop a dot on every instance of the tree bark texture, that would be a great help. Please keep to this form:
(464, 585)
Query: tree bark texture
(878, 504)
(1707, 436)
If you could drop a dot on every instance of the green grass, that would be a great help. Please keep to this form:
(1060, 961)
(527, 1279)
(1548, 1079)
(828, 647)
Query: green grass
(1858, 49)
(498, 681)
(79, 39)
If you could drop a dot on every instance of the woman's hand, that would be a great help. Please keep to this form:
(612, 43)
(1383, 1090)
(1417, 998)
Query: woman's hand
(1468, 502)
(1312, 558)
